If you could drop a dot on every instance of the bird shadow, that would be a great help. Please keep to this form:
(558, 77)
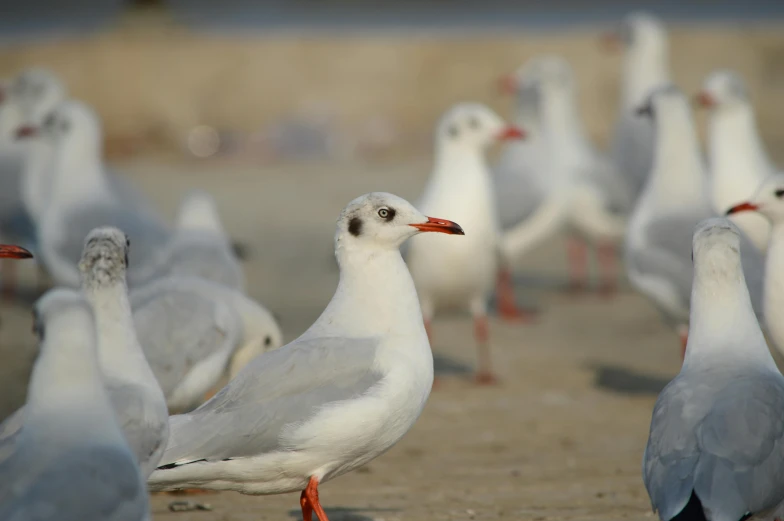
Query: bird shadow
(345, 513)
(627, 381)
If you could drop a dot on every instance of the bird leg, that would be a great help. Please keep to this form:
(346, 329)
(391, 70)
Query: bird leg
(484, 374)
(577, 254)
(505, 298)
(608, 265)
(309, 501)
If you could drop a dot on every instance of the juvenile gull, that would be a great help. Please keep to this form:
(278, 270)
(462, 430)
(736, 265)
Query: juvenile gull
(337, 397)
(716, 444)
(737, 158)
(461, 274)
(70, 461)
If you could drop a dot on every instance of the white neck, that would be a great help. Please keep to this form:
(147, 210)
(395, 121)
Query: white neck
(722, 322)
(559, 118)
(375, 295)
(121, 355)
(644, 68)
(774, 285)
(459, 159)
(525, 110)
(735, 148)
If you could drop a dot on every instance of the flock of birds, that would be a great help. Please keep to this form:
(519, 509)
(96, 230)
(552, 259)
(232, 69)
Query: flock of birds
(145, 320)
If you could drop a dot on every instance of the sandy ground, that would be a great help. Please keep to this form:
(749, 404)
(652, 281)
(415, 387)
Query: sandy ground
(561, 438)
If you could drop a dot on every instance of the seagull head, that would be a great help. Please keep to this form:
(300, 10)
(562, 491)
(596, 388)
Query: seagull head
(722, 88)
(639, 31)
(473, 126)
(199, 212)
(58, 302)
(548, 74)
(716, 249)
(768, 201)
(383, 221)
(70, 124)
(8, 251)
(664, 100)
(36, 91)
(104, 257)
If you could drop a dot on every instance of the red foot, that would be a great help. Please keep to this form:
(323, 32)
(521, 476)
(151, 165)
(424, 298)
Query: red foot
(485, 378)
(505, 299)
(577, 253)
(608, 262)
(309, 501)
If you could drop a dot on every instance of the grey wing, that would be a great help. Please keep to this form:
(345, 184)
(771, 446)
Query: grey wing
(145, 429)
(633, 149)
(177, 329)
(210, 260)
(9, 430)
(753, 263)
(616, 188)
(98, 484)
(517, 188)
(671, 453)
(741, 467)
(276, 389)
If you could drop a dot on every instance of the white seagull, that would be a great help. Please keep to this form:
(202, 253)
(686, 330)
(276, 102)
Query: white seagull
(461, 274)
(737, 158)
(340, 395)
(646, 65)
(70, 461)
(716, 444)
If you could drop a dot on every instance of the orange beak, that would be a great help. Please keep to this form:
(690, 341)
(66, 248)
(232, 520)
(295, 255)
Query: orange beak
(611, 41)
(507, 84)
(14, 252)
(509, 133)
(703, 99)
(743, 207)
(26, 132)
(439, 225)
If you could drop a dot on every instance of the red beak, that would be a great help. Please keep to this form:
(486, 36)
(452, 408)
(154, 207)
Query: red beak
(14, 252)
(507, 84)
(703, 99)
(439, 225)
(611, 41)
(510, 132)
(26, 132)
(743, 207)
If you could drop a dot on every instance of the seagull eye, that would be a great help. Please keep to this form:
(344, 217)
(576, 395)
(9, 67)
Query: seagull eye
(383, 213)
(267, 341)
(779, 193)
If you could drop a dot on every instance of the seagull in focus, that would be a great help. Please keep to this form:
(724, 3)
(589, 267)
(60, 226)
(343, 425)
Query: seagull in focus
(646, 65)
(199, 246)
(70, 461)
(335, 398)
(674, 201)
(134, 393)
(82, 197)
(193, 330)
(716, 444)
(737, 158)
(461, 274)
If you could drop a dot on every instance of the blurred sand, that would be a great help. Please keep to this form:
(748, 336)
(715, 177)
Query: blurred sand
(561, 438)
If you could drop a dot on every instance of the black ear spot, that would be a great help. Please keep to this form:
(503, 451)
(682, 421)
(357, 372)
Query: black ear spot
(267, 341)
(779, 193)
(355, 226)
(453, 131)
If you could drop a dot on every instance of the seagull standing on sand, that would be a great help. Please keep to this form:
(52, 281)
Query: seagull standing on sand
(737, 158)
(133, 391)
(646, 65)
(82, 197)
(448, 274)
(334, 399)
(716, 444)
(70, 461)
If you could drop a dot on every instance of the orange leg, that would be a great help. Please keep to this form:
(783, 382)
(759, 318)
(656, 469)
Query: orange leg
(608, 263)
(505, 298)
(577, 254)
(484, 374)
(309, 501)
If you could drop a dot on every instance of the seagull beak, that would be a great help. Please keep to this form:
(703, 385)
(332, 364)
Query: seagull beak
(14, 252)
(510, 133)
(26, 132)
(507, 84)
(743, 207)
(704, 99)
(439, 225)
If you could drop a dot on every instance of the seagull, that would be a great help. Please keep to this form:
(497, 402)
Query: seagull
(462, 273)
(767, 202)
(646, 65)
(193, 330)
(335, 398)
(675, 199)
(81, 198)
(584, 194)
(199, 246)
(136, 397)
(716, 444)
(70, 460)
(737, 157)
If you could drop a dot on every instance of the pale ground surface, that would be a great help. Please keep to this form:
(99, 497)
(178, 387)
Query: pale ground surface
(561, 438)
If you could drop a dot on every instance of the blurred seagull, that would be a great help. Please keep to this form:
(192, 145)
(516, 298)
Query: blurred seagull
(334, 399)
